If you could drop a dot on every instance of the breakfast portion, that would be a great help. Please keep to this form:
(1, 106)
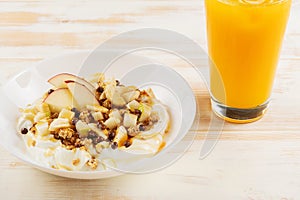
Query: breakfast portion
(70, 126)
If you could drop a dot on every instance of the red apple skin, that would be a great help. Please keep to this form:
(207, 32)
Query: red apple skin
(59, 81)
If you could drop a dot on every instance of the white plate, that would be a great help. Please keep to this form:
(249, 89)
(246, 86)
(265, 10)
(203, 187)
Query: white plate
(169, 87)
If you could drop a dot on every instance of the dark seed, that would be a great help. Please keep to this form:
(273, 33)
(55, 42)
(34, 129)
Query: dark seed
(101, 125)
(50, 91)
(127, 144)
(105, 116)
(101, 101)
(24, 131)
(114, 145)
(74, 120)
(100, 89)
(91, 118)
(117, 82)
(56, 136)
(78, 145)
(142, 128)
(77, 113)
(111, 136)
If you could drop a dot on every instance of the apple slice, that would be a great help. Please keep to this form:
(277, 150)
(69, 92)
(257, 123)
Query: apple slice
(59, 81)
(59, 99)
(81, 94)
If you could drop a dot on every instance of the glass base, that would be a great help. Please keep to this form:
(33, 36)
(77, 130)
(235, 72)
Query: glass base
(238, 115)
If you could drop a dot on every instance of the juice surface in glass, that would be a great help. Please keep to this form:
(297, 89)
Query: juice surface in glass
(244, 41)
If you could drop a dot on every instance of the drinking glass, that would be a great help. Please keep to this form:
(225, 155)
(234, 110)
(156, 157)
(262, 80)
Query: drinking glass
(244, 41)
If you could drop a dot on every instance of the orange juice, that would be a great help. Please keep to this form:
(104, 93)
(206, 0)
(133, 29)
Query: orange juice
(244, 41)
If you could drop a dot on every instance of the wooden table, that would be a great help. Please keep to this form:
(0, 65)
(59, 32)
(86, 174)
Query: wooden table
(251, 161)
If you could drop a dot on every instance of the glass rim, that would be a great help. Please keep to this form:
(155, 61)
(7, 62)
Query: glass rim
(253, 3)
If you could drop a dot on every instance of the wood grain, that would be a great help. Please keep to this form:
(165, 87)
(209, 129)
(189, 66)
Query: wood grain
(251, 161)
